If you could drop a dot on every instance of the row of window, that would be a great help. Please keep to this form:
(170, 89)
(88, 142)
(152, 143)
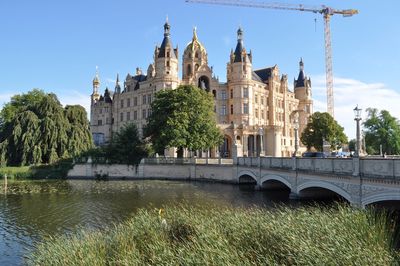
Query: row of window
(145, 114)
(245, 110)
(245, 94)
(127, 116)
(146, 99)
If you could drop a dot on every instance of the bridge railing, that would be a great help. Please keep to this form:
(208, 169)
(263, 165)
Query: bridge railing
(366, 167)
(172, 160)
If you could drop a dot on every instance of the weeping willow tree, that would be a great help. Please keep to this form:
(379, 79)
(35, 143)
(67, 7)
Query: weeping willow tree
(35, 129)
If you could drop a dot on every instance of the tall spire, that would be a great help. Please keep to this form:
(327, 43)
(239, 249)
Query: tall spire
(166, 28)
(300, 82)
(240, 34)
(166, 49)
(239, 46)
(194, 33)
(301, 64)
(96, 80)
(117, 86)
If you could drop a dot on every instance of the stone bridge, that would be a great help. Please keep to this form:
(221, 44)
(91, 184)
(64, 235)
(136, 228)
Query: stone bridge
(361, 181)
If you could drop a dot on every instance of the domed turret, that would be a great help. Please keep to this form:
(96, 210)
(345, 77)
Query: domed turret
(194, 57)
(96, 86)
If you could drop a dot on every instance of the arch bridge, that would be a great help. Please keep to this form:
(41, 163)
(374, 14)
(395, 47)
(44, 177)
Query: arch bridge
(360, 181)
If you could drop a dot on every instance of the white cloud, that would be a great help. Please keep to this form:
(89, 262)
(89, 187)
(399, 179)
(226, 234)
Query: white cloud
(350, 92)
(74, 97)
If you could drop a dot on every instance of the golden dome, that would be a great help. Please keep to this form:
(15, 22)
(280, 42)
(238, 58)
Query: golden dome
(195, 44)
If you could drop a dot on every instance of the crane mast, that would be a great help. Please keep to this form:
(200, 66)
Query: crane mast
(327, 12)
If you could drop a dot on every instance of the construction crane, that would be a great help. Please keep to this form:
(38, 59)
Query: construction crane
(327, 12)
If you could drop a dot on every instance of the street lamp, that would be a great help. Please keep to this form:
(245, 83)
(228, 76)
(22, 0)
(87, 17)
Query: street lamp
(357, 114)
(295, 115)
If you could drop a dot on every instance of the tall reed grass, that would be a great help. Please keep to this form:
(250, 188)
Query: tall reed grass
(191, 235)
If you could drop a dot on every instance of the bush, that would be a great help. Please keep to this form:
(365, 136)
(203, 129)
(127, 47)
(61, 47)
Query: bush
(199, 236)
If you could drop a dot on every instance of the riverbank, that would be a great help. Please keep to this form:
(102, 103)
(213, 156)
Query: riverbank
(188, 235)
(57, 170)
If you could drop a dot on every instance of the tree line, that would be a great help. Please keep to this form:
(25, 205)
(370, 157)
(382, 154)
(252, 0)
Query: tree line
(36, 129)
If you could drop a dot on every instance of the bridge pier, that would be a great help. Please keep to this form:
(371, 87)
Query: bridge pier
(293, 195)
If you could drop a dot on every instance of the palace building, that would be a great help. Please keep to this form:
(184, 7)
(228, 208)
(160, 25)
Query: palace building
(255, 109)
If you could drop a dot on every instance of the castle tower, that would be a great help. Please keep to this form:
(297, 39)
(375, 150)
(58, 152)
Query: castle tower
(302, 90)
(96, 86)
(240, 65)
(166, 59)
(195, 64)
(239, 76)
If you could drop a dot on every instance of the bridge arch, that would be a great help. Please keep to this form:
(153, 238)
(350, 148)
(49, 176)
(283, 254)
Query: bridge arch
(278, 178)
(325, 185)
(379, 197)
(246, 176)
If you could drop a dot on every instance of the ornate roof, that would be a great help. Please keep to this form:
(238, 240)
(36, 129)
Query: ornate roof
(195, 43)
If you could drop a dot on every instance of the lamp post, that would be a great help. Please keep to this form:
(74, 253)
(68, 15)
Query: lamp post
(357, 114)
(295, 115)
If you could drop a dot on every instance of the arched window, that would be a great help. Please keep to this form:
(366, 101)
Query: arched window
(196, 55)
(196, 67)
(189, 70)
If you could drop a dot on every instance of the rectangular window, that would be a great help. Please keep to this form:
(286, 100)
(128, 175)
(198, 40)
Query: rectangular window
(262, 114)
(144, 99)
(256, 98)
(128, 102)
(135, 101)
(149, 112)
(149, 99)
(106, 109)
(128, 116)
(144, 114)
(100, 122)
(245, 108)
(122, 103)
(262, 100)
(256, 113)
(223, 95)
(231, 94)
(245, 92)
(135, 115)
(223, 109)
(121, 117)
(101, 110)
(231, 109)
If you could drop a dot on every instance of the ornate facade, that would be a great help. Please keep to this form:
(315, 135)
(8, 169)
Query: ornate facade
(255, 109)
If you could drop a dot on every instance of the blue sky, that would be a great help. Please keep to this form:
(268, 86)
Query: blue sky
(56, 45)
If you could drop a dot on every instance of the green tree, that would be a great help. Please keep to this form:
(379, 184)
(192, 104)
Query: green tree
(352, 145)
(183, 118)
(126, 146)
(381, 129)
(35, 128)
(322, 126)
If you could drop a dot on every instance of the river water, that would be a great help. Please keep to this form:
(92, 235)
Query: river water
(64, 207)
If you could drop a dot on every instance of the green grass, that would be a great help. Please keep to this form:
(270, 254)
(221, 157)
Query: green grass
(52, 171)
(197, 236)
